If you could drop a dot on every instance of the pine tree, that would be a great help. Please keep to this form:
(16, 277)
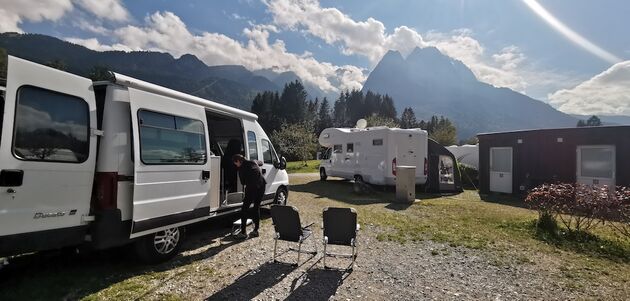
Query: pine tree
(408, 119)
(339, 115)
(293, 101)
(324, 120)
(593, 121)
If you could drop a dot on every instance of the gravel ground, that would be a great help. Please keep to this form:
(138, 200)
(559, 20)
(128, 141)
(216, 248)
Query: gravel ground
(383, 271)
(215, 267)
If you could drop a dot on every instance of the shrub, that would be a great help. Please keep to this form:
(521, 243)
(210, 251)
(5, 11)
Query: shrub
(621, 212)
(580, 207)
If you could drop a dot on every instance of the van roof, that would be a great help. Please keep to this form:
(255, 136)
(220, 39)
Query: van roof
(131, 82)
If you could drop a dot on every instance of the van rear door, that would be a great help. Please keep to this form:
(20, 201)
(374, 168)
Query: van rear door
(171, 165)
(47, 156)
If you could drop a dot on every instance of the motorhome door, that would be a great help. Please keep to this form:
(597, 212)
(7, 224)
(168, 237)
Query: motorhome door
(172, 170)
(47, 151)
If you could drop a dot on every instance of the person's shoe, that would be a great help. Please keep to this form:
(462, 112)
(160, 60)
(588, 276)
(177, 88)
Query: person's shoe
(240, 235)
(253, 233)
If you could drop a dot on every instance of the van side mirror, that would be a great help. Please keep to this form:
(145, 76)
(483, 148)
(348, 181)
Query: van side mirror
(319, 155)
(283, 163)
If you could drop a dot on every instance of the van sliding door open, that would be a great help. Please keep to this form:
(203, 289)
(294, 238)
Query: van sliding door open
(171, 161)
(47, 156)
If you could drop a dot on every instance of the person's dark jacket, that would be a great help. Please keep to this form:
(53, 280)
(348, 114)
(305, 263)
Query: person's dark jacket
(251, 175)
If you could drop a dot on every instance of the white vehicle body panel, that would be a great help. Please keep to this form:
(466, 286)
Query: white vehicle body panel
(373, 152)
(59, 195)
(58, 192)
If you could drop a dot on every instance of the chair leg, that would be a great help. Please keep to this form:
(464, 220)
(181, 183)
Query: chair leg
(299, 252)
(324, 259)
(275, 246)
(353, 258)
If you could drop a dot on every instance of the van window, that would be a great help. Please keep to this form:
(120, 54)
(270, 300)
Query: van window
(269, 155)
(337, 149)
(51, 126)
(377, 142)
(350, 148)
(168, 139)
(252, 145)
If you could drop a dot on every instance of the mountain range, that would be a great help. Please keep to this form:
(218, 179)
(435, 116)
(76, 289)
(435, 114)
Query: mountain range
(229, 84)
(434, 84)
(426, 80)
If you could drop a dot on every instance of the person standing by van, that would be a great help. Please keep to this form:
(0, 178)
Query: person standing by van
(251, 176)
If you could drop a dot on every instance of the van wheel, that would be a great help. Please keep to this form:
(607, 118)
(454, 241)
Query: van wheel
(358, 179)
(322, 174)
(281, 196)
(160, 246)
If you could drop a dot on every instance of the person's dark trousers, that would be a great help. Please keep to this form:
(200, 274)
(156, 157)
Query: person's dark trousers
(251, 196)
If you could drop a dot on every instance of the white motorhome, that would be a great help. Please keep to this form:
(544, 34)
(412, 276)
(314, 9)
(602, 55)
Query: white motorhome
(372, 154)
(120, 161)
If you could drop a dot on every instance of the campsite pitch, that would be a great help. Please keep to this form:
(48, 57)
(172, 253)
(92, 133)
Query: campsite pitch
(443, 247)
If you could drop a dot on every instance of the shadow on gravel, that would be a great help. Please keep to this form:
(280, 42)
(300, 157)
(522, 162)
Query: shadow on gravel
(317, 284)
(344, 191)
(64, 275)
(253, 282)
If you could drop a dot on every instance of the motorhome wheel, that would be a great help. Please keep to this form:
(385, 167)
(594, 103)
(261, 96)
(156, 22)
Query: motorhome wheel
(160, 246)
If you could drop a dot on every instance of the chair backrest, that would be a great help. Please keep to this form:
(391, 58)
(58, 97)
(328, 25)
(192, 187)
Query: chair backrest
(340, 225)
(286, 221)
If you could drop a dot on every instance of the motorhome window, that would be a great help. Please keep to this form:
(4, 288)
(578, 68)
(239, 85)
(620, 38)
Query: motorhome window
(252, 145)
(377, 142)
(337, 149)
(168, 139)
(350, 148)
(267, 152)
(51, 126)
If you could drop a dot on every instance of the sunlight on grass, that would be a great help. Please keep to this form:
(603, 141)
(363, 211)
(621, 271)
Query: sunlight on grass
(299, 167)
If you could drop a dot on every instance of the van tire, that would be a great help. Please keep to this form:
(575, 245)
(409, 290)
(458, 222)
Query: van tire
(322, 174)
(160, 246)
(282, 196)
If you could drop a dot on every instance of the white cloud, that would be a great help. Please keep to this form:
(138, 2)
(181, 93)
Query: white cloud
(112, 10)
(369, 39)
(15, 12)
(607, 93)
(165, 31)
(366, 38)
(94, 44)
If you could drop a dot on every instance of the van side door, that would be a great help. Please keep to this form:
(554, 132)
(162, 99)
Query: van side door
(47, 156)
(270, 161)
(171, 165)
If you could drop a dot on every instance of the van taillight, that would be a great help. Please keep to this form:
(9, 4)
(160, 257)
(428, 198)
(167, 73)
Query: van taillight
(426, 166)
(394, 167)
(105, 191)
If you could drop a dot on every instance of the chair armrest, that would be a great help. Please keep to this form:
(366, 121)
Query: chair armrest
(308, 226)
(358, 227)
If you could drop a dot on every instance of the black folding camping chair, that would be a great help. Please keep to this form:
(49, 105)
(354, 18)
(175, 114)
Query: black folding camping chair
(287, 225)
(340, 228)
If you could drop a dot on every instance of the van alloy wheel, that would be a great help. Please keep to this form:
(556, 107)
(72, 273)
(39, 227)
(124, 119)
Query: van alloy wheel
(166, 241)
(281, 197)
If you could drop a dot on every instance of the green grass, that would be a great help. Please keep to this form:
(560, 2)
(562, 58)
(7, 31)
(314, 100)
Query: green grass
(299, 167)
(497, 227)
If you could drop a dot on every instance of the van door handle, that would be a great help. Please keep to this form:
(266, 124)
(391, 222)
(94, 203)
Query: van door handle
(205, 175)
(11, 177)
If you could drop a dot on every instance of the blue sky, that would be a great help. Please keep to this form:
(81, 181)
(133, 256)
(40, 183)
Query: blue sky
(505, 43)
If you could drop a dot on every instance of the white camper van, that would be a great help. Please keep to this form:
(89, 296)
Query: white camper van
(372, 154)
(109, 163)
